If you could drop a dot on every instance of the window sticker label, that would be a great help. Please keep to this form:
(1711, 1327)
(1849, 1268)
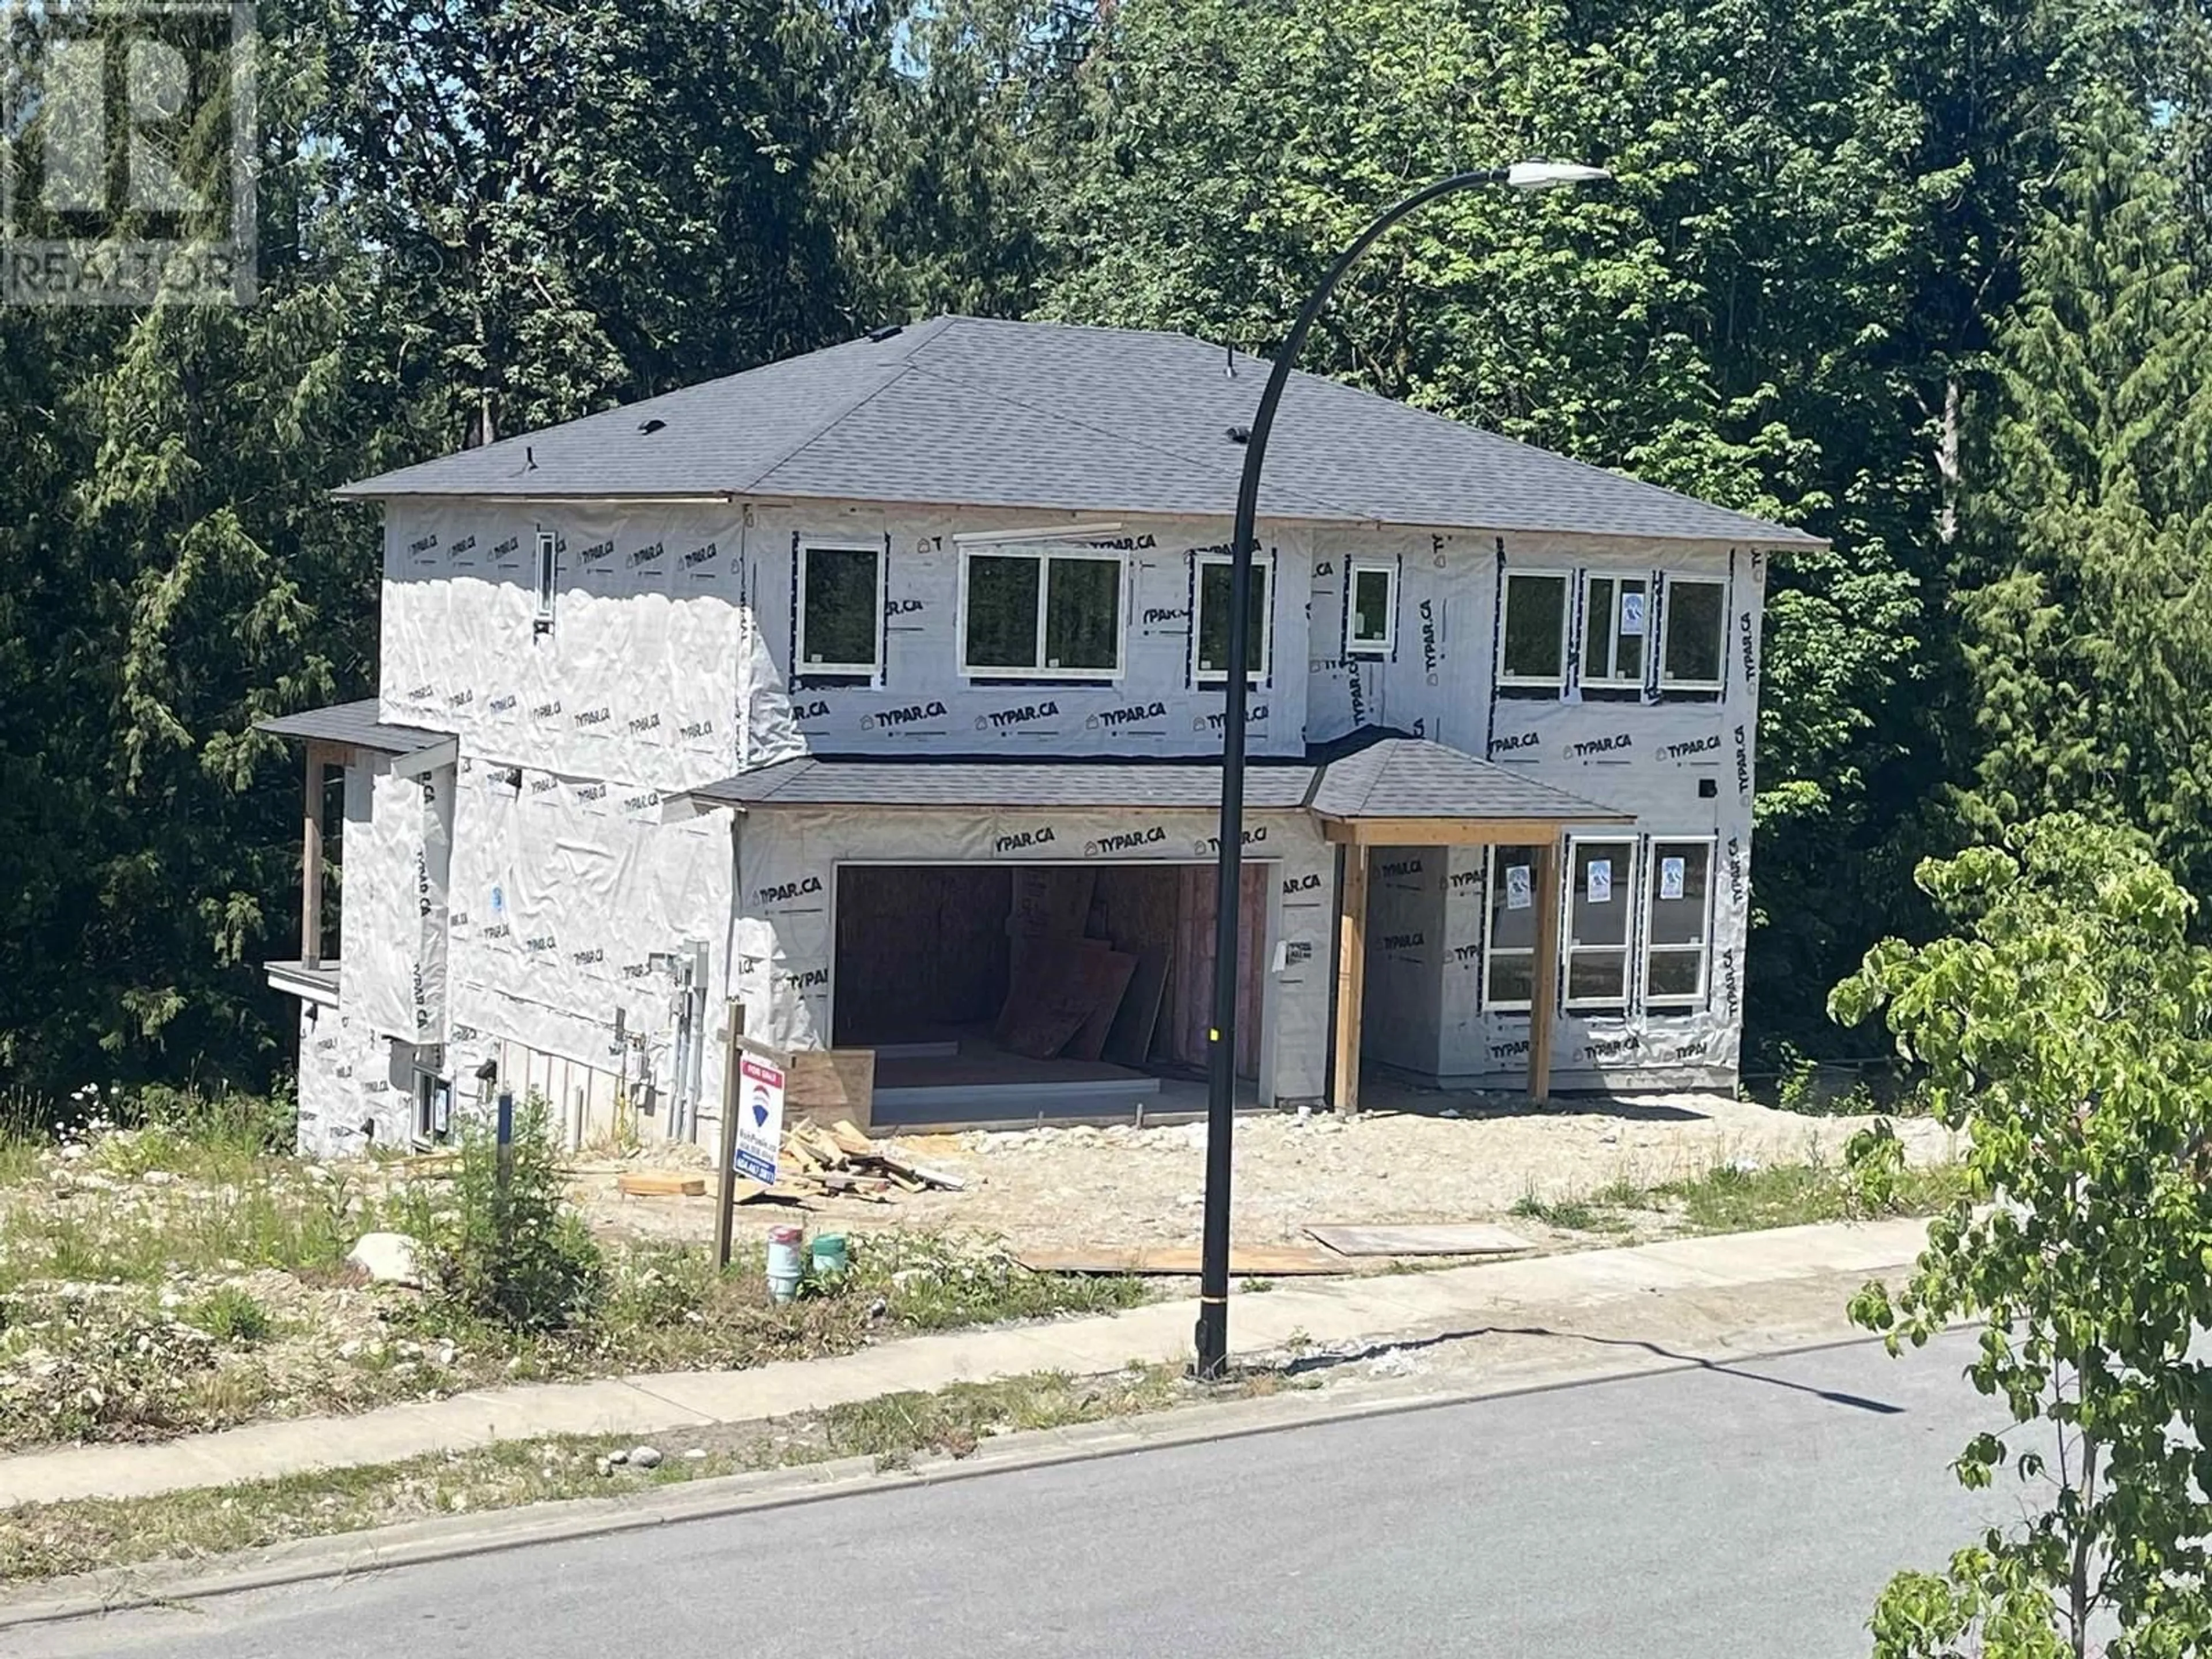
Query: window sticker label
(1670, 878)
(1517, 893)
(1601, 881)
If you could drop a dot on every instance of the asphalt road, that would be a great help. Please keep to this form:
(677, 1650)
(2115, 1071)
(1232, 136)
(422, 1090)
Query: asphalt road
(1751, 1513)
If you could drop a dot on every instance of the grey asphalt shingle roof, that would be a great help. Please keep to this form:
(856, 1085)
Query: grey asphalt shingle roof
(1390, 777)
(813, 780)
(968, 411)
(1411, 778)
(354, 723)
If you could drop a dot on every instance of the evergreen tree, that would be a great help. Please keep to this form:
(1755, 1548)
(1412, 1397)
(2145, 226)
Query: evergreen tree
(2086, 598)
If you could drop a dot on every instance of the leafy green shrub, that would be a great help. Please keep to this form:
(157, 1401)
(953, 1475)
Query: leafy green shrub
(1874, 1169)
(504, 1247)
(2065, 1028)
(231, 1314)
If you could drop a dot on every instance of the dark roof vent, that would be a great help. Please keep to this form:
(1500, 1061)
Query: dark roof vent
(888, 332)
(649, 427)
(1240, 434)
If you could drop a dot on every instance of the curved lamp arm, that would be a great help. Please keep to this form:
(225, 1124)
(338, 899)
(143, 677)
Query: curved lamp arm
(1212, 1334)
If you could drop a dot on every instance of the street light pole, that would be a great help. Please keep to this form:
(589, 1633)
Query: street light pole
(1213, 1336)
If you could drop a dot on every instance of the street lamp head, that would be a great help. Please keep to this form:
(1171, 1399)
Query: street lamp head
(1550, 175)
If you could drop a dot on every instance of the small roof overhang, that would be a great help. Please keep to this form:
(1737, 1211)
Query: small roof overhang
(1388, 789)
(317, 984)
(976, 781)
(354, 725)
(1378, 787)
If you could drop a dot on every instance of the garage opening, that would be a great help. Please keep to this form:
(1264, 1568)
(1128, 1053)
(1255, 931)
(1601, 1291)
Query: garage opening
(994, 992)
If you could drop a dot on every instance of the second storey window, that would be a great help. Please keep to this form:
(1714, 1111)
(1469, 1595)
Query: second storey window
(1613, 629)
(841, 611)
(1372, 605)
(1046, 614)
(1533, 633)
(1597, 923)
(1696, 616)
(1211, 631)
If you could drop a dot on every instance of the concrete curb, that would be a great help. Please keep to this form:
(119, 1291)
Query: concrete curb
(416, 1543)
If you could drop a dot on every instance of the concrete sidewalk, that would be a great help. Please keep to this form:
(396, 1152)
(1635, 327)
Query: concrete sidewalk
(1461, 1301)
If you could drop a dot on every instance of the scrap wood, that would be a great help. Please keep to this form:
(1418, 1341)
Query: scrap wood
(655, 1183)
(752, 1192)
(818, 1161)
(902, 1169)
(1269, 1261)
(1462, 1238)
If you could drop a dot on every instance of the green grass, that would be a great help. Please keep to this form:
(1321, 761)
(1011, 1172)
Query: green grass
(230, 1315)
(46, 1540)
(121, 1317)
(1572, 1215)
(270, 1214)
(1728, 1199)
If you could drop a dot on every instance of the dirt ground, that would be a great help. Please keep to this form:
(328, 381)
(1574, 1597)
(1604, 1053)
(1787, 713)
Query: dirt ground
(1412, 1155)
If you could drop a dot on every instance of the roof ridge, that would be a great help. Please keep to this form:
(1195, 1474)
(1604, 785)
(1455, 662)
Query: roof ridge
(900, 367)
(1318, 505)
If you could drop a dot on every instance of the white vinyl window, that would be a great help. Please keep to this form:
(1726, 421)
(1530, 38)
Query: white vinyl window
(1531, 634)
(1600, 895)
(1210, 625)
(1041, 613)
(1613, 623)
(841, 611)
(1679, 932)
(1696, 619)
(434, 1094)
(1370, 605)
(1509, 943)
(548, 573)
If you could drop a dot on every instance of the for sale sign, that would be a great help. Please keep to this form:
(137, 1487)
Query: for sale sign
(760, 1119)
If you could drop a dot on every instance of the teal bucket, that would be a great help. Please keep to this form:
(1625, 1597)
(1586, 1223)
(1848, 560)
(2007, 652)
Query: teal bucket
(831, 1257)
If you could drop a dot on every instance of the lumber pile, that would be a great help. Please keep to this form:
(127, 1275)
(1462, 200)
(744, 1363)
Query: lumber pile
(839, 1160)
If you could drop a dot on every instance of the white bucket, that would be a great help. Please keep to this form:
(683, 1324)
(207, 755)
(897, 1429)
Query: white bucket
(787, 1261)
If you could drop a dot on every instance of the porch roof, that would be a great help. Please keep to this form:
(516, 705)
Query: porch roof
(355, 724)
(972, 780)
(1392, 788)
(1378, 786)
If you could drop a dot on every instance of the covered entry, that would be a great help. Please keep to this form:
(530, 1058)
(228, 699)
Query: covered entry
(1387, 802)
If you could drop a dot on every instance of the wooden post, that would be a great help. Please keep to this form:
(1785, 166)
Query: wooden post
(1351, 975)
(1544, 993)
(726, 1206)
(311, 861)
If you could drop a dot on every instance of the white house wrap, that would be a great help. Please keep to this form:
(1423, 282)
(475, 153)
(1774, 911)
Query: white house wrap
(578, 816)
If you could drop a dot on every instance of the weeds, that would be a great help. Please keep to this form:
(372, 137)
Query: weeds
(1572, 1215)
(1738, 1197)
(230, 1315)
(154, 1282)
(45, 1540)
